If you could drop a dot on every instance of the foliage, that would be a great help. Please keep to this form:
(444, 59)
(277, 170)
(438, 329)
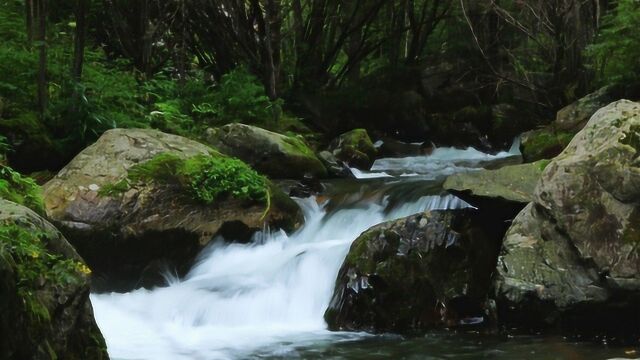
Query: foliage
(21, 190)
(616, 53)
(26, 250)
(206, 179)
(211, 178)
(238, 98)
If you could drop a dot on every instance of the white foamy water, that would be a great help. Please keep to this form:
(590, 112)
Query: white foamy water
(240, 298)
(442, 161)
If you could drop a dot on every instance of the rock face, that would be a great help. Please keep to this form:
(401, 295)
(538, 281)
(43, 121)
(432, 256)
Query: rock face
(515, 183)
(278, 156)
(574, 116)
(572, 256)
(423, 271)
(354, 148)
(151, 228)
(547, 142)
(48, 316)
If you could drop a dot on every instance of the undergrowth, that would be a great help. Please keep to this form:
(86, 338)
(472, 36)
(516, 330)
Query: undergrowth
(21, 190)
(35, 266)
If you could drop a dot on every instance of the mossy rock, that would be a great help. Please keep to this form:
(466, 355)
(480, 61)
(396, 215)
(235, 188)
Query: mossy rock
(545, 143)
(572, 257)
(514, 183)
(123, 224)
(275, 155)
(425, 271)
(354, 148)
(45, 312)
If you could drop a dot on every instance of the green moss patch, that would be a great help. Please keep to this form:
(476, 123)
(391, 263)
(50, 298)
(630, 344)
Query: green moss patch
(21, 190)
(206, 179)
(545, 145)
(25, 250)
(632, 138)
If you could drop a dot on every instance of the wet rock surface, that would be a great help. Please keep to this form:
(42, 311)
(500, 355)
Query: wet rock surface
(424, 271)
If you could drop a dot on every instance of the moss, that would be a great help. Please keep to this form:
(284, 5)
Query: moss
(545, 144)
(21, 190)
(295, 145)
(542, 164)
(26, 251)
(632, 138)
(205, 178)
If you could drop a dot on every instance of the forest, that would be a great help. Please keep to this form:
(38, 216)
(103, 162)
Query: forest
(219, 154)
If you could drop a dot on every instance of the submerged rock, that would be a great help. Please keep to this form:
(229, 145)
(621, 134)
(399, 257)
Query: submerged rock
(276, 155)
(424, 271)
(572, 256)
(148, 228)
(45, 312)
(354, 148)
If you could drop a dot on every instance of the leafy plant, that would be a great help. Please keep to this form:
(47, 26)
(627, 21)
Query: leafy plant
(26, 250)
(616, 55)
(239, 97)
(206, 179)
(21, 190)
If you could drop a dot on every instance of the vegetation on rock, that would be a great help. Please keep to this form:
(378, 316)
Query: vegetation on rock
(20, 189)
(206, 178)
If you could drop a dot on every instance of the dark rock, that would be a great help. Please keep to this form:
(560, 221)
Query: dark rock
(50, 318)
(354, 148)
(424, 271)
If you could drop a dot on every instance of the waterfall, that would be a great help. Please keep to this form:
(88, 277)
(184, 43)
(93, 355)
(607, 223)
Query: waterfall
(240, 297)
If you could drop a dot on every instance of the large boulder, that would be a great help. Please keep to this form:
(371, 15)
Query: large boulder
(572, 256)
(146, 228)
(45, 312)
(424, 271)
(574, 116)
(354, 148)
(276, 155)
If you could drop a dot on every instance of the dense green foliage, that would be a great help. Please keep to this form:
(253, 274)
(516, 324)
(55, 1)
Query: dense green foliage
(21, 190)
(395, 67)
(35, 265)
(206, 179)
(616, 52)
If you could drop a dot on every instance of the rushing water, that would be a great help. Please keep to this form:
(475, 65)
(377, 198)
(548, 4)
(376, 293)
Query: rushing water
(267, 299)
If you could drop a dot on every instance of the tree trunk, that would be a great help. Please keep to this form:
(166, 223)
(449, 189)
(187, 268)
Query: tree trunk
(42, 53)
(80, 39)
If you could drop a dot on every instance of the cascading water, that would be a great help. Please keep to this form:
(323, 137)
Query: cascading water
(271, 294)
(238, 298)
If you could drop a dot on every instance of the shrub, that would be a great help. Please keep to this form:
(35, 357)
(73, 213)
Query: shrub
(21, 190)
(616, 55)
(240, 97)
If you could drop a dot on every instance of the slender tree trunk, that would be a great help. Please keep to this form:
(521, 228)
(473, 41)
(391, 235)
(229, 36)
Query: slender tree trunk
(42, 54)
(29, 12)
(80, 39)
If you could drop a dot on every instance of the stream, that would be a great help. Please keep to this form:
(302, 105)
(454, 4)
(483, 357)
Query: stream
(266, 299)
